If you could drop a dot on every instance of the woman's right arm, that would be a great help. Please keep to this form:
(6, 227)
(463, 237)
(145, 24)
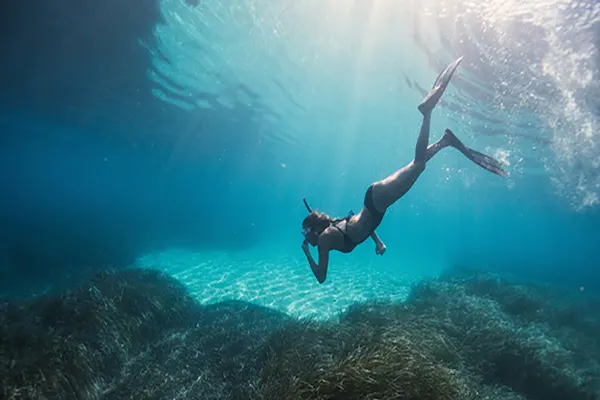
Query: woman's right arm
(319, 269)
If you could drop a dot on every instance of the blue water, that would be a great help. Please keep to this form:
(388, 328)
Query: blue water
(172, 125)
(182, 135)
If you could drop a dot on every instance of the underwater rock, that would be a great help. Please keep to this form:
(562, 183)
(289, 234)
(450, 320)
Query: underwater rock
(497, 333)
(119, 329)
(309, 360)
(213, 359)
(572, 313)
(139, 334)
(70, 346)
(493, 392)
(526, 355)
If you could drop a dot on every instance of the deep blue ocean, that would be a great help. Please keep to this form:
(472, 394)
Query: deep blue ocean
(171, 142)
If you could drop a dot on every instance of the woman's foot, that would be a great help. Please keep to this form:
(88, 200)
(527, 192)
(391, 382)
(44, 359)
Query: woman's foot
(440, 85)
(484, 161)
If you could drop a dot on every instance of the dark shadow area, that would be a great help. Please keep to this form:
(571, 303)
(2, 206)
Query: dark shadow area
(77, 205)
(65, 59)
(95, 170)
(63, 63)
(465, 336)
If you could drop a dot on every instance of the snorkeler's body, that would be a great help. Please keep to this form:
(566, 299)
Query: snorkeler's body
(344, 235)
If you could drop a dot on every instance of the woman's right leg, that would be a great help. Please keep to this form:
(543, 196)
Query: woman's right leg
(387, 191)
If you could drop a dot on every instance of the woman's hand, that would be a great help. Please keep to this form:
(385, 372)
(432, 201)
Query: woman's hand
(380, 248)
(305, 246)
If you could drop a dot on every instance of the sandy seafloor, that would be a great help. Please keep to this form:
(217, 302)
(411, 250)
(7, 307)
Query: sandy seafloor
(284, 283)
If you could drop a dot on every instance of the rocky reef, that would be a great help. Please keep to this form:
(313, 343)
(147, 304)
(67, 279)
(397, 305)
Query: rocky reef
(138, 334)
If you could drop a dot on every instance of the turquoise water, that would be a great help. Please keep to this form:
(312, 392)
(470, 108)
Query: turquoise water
(202, 130)
(181, 136)
(338, 105)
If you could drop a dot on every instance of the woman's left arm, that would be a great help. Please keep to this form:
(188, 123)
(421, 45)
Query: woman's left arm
(379, 246)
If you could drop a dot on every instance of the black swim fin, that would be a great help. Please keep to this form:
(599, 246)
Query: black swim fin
(484, 161)
(487, 162)
(440, 85)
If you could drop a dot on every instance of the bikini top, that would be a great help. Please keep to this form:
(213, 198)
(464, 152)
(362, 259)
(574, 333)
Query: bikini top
(349, 244)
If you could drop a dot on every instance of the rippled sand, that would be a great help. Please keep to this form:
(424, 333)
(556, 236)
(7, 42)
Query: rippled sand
(283, 283)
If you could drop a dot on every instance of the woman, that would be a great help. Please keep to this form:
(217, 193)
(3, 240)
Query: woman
(345, 234)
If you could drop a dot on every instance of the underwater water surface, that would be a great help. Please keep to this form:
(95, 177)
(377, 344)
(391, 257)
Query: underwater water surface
(154, 158)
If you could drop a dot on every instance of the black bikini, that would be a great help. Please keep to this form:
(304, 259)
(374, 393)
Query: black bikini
(349, 244)
(377, 217)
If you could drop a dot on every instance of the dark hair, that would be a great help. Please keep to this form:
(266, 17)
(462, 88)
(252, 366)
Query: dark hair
(317, 221)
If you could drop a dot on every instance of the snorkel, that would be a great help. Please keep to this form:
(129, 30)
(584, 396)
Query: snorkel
(306, 205)
(306, 231)
(350, 213)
